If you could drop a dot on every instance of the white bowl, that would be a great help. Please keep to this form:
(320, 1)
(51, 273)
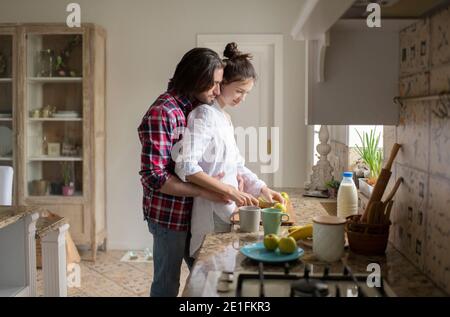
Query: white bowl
(365, 188)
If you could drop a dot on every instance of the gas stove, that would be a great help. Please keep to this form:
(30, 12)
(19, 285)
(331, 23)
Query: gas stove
(288, 284)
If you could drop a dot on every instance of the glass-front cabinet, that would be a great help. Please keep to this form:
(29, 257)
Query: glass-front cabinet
(54, 114)
(52, 122)
(8, 99)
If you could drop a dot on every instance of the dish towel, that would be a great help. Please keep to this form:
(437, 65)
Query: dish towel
(6, 185)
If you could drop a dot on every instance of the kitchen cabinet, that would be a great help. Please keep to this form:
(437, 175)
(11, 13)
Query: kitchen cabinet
(17, 252)
(351, 69)
(59, 124)
(358, 77)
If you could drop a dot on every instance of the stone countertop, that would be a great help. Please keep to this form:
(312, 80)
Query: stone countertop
(220, 252)
(47, 223)
(12, 214)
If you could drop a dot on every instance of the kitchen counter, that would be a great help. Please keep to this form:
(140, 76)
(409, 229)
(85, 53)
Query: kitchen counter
(220, 252)
(10, 215)
(18, 251)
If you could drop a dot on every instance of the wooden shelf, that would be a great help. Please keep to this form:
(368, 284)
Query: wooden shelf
(6, 119)
(43, 80)
(55, 159)
(77, 198)
(5, 80)
(55, 119)
(5, 159)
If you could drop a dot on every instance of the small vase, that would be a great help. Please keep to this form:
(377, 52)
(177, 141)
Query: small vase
(68, 190)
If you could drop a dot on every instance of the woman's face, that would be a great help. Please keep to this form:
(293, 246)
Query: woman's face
(234, 93)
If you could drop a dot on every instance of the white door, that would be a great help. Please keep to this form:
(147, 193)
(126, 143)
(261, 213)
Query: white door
(255, 119)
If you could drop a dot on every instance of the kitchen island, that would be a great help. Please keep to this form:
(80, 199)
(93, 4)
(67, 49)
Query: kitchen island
(18, 251)
(220, 253)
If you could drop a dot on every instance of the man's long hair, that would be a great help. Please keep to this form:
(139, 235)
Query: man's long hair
(195, 72)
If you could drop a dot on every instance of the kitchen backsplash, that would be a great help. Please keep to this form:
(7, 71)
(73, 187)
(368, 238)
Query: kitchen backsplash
(421, 217)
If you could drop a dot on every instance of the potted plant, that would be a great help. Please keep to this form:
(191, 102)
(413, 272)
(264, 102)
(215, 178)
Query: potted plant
(372, 156)
(333, 187)
(69, 184)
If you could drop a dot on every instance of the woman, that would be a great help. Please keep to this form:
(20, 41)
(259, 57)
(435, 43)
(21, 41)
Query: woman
(209, 148)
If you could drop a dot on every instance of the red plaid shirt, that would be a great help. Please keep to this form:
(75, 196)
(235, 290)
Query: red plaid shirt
(157, 135)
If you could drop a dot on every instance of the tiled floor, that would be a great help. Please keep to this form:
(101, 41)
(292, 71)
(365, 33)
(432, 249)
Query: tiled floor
(110, 277)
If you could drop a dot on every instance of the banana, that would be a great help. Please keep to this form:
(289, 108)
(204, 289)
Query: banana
(302, 232)
(293, 228)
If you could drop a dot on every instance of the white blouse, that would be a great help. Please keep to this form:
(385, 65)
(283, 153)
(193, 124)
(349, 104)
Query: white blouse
(208, 145)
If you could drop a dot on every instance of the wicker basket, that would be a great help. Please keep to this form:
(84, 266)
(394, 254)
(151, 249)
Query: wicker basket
(367, 239)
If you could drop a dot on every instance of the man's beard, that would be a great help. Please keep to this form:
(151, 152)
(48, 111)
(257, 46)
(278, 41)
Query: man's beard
(211, 101)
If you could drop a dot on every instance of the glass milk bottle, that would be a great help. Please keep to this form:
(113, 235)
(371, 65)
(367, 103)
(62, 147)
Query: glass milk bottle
(347, 198)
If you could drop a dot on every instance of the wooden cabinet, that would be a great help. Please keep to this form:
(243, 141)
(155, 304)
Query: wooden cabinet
(8, 100)
(60, 124)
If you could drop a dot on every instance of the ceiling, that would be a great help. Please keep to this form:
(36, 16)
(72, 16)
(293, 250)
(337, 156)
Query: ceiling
(396, 9)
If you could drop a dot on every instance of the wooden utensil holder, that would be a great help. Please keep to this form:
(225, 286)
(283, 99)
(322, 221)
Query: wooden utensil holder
(367, 239)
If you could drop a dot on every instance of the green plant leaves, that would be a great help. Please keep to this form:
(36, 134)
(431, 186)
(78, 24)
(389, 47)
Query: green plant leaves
(370, 153)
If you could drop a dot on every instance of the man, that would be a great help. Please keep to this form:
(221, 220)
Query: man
(167, 201)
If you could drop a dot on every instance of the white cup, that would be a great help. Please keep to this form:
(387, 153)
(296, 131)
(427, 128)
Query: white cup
(249, 218)
(328, 238)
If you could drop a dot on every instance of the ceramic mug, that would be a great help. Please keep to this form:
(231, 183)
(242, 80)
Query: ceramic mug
(249, 218)
(271, 219)
(328, 238)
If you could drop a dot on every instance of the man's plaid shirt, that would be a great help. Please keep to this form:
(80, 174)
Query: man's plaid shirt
(157, 133)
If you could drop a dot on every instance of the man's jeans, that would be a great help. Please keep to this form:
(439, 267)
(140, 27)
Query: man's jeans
(169, 249)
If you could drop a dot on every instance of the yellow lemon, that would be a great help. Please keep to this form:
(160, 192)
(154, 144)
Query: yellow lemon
(280, 206)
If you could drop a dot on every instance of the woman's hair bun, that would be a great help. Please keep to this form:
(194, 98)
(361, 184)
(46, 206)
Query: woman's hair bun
(231, 51)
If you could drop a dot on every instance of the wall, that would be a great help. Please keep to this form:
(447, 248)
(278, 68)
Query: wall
(146, 39)
(421, 219)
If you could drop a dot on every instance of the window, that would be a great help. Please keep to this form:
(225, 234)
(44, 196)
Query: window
(354, 140)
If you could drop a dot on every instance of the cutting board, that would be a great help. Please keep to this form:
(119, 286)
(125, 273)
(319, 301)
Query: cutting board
(290, 211)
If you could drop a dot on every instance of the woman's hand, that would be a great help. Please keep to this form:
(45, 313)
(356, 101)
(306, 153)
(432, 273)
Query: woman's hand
(271, 195)
(241, 198)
